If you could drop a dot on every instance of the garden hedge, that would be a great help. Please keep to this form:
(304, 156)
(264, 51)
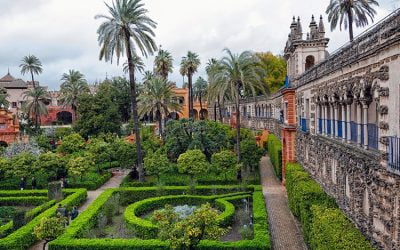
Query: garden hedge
(23, 237)
(275, 153)
(23, 200)
(72, 238)
(147, 230)
(324, 225)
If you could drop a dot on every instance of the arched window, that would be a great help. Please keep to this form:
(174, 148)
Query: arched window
(310, 61)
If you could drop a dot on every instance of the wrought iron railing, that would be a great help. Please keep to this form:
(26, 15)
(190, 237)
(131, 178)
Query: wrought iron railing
(320, 122)
(394, 154)
(305, 125)
(339, 125)
(372, 135)
(328, 127)
(353, 132)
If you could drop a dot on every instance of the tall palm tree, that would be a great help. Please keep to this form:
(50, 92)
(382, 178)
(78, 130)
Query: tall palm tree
(214, 94)
(347, 12)
(4, 103)
(183, 72)
(239, 73)
(74, 84)
(125, 30)
(163, 63)
(189, 65)
(147, 76)
(31, 64)
(200, 91)
(137, 61)
(35, 103)
(158, 97)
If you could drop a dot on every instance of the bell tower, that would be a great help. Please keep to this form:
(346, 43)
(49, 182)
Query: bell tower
(302, 54)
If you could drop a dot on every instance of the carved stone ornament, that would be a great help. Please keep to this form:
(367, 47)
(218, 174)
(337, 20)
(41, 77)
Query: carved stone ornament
(383, 110)
(384, 125)
(383, 91)
(384, 140)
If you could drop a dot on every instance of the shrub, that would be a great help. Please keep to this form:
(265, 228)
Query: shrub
(90, 181)
(275, 154)
(71, 144)
(324, 225)
(223, 162)
(156, 164)
(250, 153)
(192, 162)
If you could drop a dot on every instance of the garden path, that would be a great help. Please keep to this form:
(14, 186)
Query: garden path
(113, 182)
(284, 229)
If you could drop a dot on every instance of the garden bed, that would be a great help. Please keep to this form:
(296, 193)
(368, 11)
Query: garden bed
(84, 232)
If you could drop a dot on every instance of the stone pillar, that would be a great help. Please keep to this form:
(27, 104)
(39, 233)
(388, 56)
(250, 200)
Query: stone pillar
(288, 131)
(335, 120)
(316, 118)
(348, 119)
(344, 129)
(324, 121)
(359, 121)
(365, 124)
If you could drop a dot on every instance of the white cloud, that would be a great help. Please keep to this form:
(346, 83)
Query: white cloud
(62, 33)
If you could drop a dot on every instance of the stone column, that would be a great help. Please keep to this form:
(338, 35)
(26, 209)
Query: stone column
(365, 124)
(336, 118)
(344, 129)
(317, 118)
(324, 119)
(348, 119)
(359, 121)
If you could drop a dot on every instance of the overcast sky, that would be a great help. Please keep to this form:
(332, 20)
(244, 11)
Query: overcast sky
(62, 33)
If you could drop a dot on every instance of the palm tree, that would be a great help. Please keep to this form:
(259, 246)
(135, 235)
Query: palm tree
(74, 84)
(137, 61)
(163, 63)
(126, 29)
(4, 103)
(239, 73)
(158, 97)
(347, 12)
(31, 64)
(35, 104)
(214, 94)
(199, 91)
(147, 76)
(189, 65)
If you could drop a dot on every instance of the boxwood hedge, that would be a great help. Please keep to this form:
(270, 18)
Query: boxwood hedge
(324, 225)
(72, 238)
(275, 153)
(23, 237)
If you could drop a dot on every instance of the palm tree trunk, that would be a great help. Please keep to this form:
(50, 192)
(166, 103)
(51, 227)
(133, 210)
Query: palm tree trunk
(350, 16)
(135, 116)
(190, 95)
(74, 113)
(160, 123)
(215, 111)
(238, 122)
(201, 108)
(219, 110)
(33, 80)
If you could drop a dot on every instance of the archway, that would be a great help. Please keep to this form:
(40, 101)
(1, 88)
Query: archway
(3, 144)
(64, 117)
(195, 114)
(203, 114)
(173, 115)
(310, 61)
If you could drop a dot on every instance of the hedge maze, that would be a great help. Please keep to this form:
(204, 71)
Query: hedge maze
(15, 237)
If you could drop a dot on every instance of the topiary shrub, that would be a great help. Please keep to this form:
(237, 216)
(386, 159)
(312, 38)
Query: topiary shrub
(275, 154)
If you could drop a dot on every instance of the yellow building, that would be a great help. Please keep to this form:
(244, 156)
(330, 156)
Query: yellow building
(199, 109)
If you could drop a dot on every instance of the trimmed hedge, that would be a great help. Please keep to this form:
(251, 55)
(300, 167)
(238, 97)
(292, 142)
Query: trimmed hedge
(22, 200)
(16, 193)
(147, 230)
(23, 237)
(324, 225)
(6, 229)
(70, 239)
(37, 210)
(275, 153)
(92, 181)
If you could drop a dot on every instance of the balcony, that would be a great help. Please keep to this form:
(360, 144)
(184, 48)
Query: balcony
(393, 150)
(305, 125)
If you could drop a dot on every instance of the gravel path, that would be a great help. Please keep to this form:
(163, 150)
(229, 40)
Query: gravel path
(284, 229)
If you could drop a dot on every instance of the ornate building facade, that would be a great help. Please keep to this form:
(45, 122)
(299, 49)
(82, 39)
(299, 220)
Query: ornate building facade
(339, 118)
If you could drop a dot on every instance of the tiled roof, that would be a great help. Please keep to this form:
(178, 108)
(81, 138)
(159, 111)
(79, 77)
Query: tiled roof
(8, 81)
(7, 78)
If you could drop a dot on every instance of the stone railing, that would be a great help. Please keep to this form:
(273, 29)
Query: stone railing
(379, 36)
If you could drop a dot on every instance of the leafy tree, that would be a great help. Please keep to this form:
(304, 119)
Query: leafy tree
(163, 63)
(22, 165)
(239, 73)
(126, 26)
(74, 84)
(4, 166)
(79, 165)
(223, 162)
(158, 98)
(44, 142)
(347, 12)
(192, 162)
(251, 153)
(189, 65)
(35, 103)
(49, 229)
(31, 64)
(100, 113)
(51, 164)
(187, 233)
(120, 96)
(101, 151)
(4, 103)
(61, 132)
(199, 92)
(214, 93)
(156, 164)
(275, 68)
(125, 153)
(150, 142)
(71, 144)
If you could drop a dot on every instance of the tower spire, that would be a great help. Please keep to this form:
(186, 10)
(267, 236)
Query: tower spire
(321, 27)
